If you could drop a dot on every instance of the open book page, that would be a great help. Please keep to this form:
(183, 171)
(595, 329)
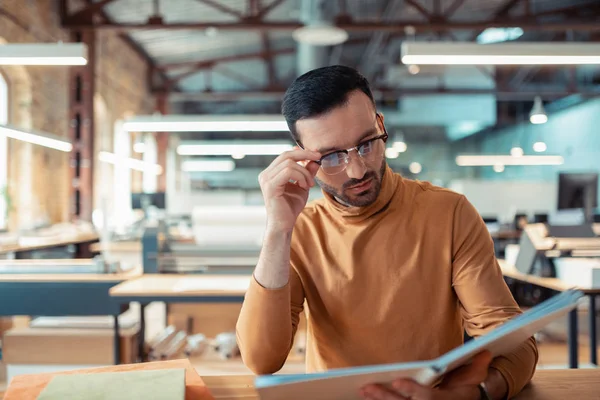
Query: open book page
(344, 383)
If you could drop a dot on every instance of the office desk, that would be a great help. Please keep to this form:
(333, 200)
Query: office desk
(81, 242)
(580, 384)
(62, 295)
(556, 284)
(178, 288)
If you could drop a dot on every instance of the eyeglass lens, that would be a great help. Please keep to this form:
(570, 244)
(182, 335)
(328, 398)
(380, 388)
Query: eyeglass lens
(336, 162)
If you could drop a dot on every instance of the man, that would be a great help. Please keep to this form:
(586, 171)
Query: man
(391, 269)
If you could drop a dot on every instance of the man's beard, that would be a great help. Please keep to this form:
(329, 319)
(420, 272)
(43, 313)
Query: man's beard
(361, 199)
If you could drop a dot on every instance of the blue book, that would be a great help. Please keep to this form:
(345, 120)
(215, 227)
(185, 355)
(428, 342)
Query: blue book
(345, 383)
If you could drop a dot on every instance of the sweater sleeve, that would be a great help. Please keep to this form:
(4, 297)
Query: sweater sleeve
(267, 324)
(485, 300)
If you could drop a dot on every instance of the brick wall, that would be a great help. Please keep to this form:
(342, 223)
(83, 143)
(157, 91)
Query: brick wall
(38, 177)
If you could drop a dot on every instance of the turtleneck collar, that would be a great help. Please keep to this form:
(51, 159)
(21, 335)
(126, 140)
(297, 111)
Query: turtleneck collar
(389, 184)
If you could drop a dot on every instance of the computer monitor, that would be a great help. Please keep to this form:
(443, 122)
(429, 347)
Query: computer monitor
(141, 201)
(578, 191)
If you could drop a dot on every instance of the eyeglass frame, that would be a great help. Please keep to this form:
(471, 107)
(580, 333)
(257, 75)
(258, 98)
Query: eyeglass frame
(383, 137)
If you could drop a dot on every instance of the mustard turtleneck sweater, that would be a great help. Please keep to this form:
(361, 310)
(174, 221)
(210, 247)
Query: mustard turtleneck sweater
(392, 282)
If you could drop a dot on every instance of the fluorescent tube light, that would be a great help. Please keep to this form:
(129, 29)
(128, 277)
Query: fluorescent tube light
(43, 54)
(491, 160)
(230, 149)
(39, 138)
(524, 53)
(206, 123)
(208, 165)
(130, 163)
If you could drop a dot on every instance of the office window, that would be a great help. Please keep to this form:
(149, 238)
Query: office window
(3, 152)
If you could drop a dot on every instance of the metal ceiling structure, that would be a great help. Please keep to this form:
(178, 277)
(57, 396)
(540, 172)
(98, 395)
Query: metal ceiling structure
(238, 56)
(231, 49)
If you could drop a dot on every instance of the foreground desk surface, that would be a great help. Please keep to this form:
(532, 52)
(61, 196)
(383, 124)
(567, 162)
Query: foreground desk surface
(28, 387)
(581, 384)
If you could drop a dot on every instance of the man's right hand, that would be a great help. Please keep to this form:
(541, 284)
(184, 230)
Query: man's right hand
(285, 185)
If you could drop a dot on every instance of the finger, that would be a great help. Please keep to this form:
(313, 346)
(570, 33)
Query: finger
(410, 389)
(284, 177)
(377, 392)
(292, 165)
(297, 155)
(313, 168)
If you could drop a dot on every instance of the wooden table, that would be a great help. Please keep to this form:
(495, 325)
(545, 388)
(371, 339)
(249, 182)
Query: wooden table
(576, 384)
(80, 241)
(510, 271)
(179, 288)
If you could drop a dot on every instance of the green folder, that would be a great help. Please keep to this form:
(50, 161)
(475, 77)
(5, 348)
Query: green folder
(163, 384)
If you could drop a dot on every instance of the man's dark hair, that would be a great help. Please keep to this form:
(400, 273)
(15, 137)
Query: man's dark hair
(319, 91)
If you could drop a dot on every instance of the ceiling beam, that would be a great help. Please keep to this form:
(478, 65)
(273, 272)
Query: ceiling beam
(234, 75)
(502, 12)
(269, 7)
(508, 94)
(203, 64)
(224, 9)
(454, 7)
(396, 27)
(417, 6)
(86, 14)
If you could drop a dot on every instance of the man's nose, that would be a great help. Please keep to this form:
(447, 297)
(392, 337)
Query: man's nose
(356, 168)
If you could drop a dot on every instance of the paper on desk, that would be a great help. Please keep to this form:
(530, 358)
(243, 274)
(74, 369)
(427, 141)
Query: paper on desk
(164, 384)
(205, 282)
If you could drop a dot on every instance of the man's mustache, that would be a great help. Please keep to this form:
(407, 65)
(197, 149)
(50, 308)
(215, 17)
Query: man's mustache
(356, 182)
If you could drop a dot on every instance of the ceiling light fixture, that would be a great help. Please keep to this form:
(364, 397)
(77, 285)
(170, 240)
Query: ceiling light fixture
(538, 114)
(139, 146)
(43, 54)
(206, 123)
(391, 152)
(36, 137)
(320, 34)
(207, 165)
(400, 146)
(522, 53)
(491, 160)
(499, 168)
(415, 167)
(497, 35)
(131, 163)
(517, 152)
(231, 148)
(539, 147)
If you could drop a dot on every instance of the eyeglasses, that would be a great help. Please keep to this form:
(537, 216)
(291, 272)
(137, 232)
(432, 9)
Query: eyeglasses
(368, 150)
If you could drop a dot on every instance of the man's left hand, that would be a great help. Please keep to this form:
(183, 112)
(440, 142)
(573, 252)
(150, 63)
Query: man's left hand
(461, 384)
